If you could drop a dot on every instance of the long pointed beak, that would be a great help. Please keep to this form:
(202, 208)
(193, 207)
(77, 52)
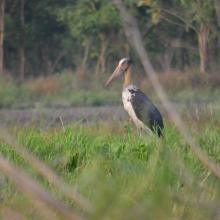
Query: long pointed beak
(114, 75)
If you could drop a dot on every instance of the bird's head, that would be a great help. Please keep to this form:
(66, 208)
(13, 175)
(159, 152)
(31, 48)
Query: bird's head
(121, 68)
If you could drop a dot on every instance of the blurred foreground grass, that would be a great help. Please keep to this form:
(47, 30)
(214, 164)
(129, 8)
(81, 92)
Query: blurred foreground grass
(125, 175)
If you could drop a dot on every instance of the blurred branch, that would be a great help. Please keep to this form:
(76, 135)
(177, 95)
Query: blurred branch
(52, 177)
(171, 21)
(179, 17)
(134, 37)
(34, 191)
(200, 205)
(9, 214)
(57, 60)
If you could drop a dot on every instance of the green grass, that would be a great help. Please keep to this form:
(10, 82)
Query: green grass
(125, 174)
(55, 91)
(67, 90)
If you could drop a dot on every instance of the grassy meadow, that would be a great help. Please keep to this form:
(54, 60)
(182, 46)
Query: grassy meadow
(123, 173)
(68, 90)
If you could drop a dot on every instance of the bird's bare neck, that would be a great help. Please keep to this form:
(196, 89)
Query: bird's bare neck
(127, 77)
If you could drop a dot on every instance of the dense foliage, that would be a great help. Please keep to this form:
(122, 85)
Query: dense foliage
(45, 36)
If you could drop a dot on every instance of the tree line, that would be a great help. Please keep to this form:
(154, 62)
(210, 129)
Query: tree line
(42, 37)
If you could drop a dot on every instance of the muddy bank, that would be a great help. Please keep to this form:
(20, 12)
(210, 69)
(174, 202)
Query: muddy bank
(50, 117)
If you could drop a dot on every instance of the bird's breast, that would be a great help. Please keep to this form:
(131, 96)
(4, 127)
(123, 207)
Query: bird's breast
(128, 94)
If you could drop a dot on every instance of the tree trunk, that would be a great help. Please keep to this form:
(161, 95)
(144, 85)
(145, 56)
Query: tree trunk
(202, 40)
(52, 66)
(81, 70)
(101, 63)
(22, 42)
(217, 9)
(2, 12)
(167, 58)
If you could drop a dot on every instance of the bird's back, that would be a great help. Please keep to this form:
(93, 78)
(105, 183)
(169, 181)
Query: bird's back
(142, 111)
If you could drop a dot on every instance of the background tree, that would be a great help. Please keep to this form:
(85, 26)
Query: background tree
(200, 17)
(2, 12)
(45, 37)
(41, 37)
(22, 40)
(217, 9)
(94, 31)
(197, 16)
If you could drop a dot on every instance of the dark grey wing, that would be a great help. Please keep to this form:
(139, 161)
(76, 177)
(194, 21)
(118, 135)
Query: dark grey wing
(146, 111)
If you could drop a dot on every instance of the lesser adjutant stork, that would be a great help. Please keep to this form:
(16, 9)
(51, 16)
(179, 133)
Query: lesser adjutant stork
(142, 111)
